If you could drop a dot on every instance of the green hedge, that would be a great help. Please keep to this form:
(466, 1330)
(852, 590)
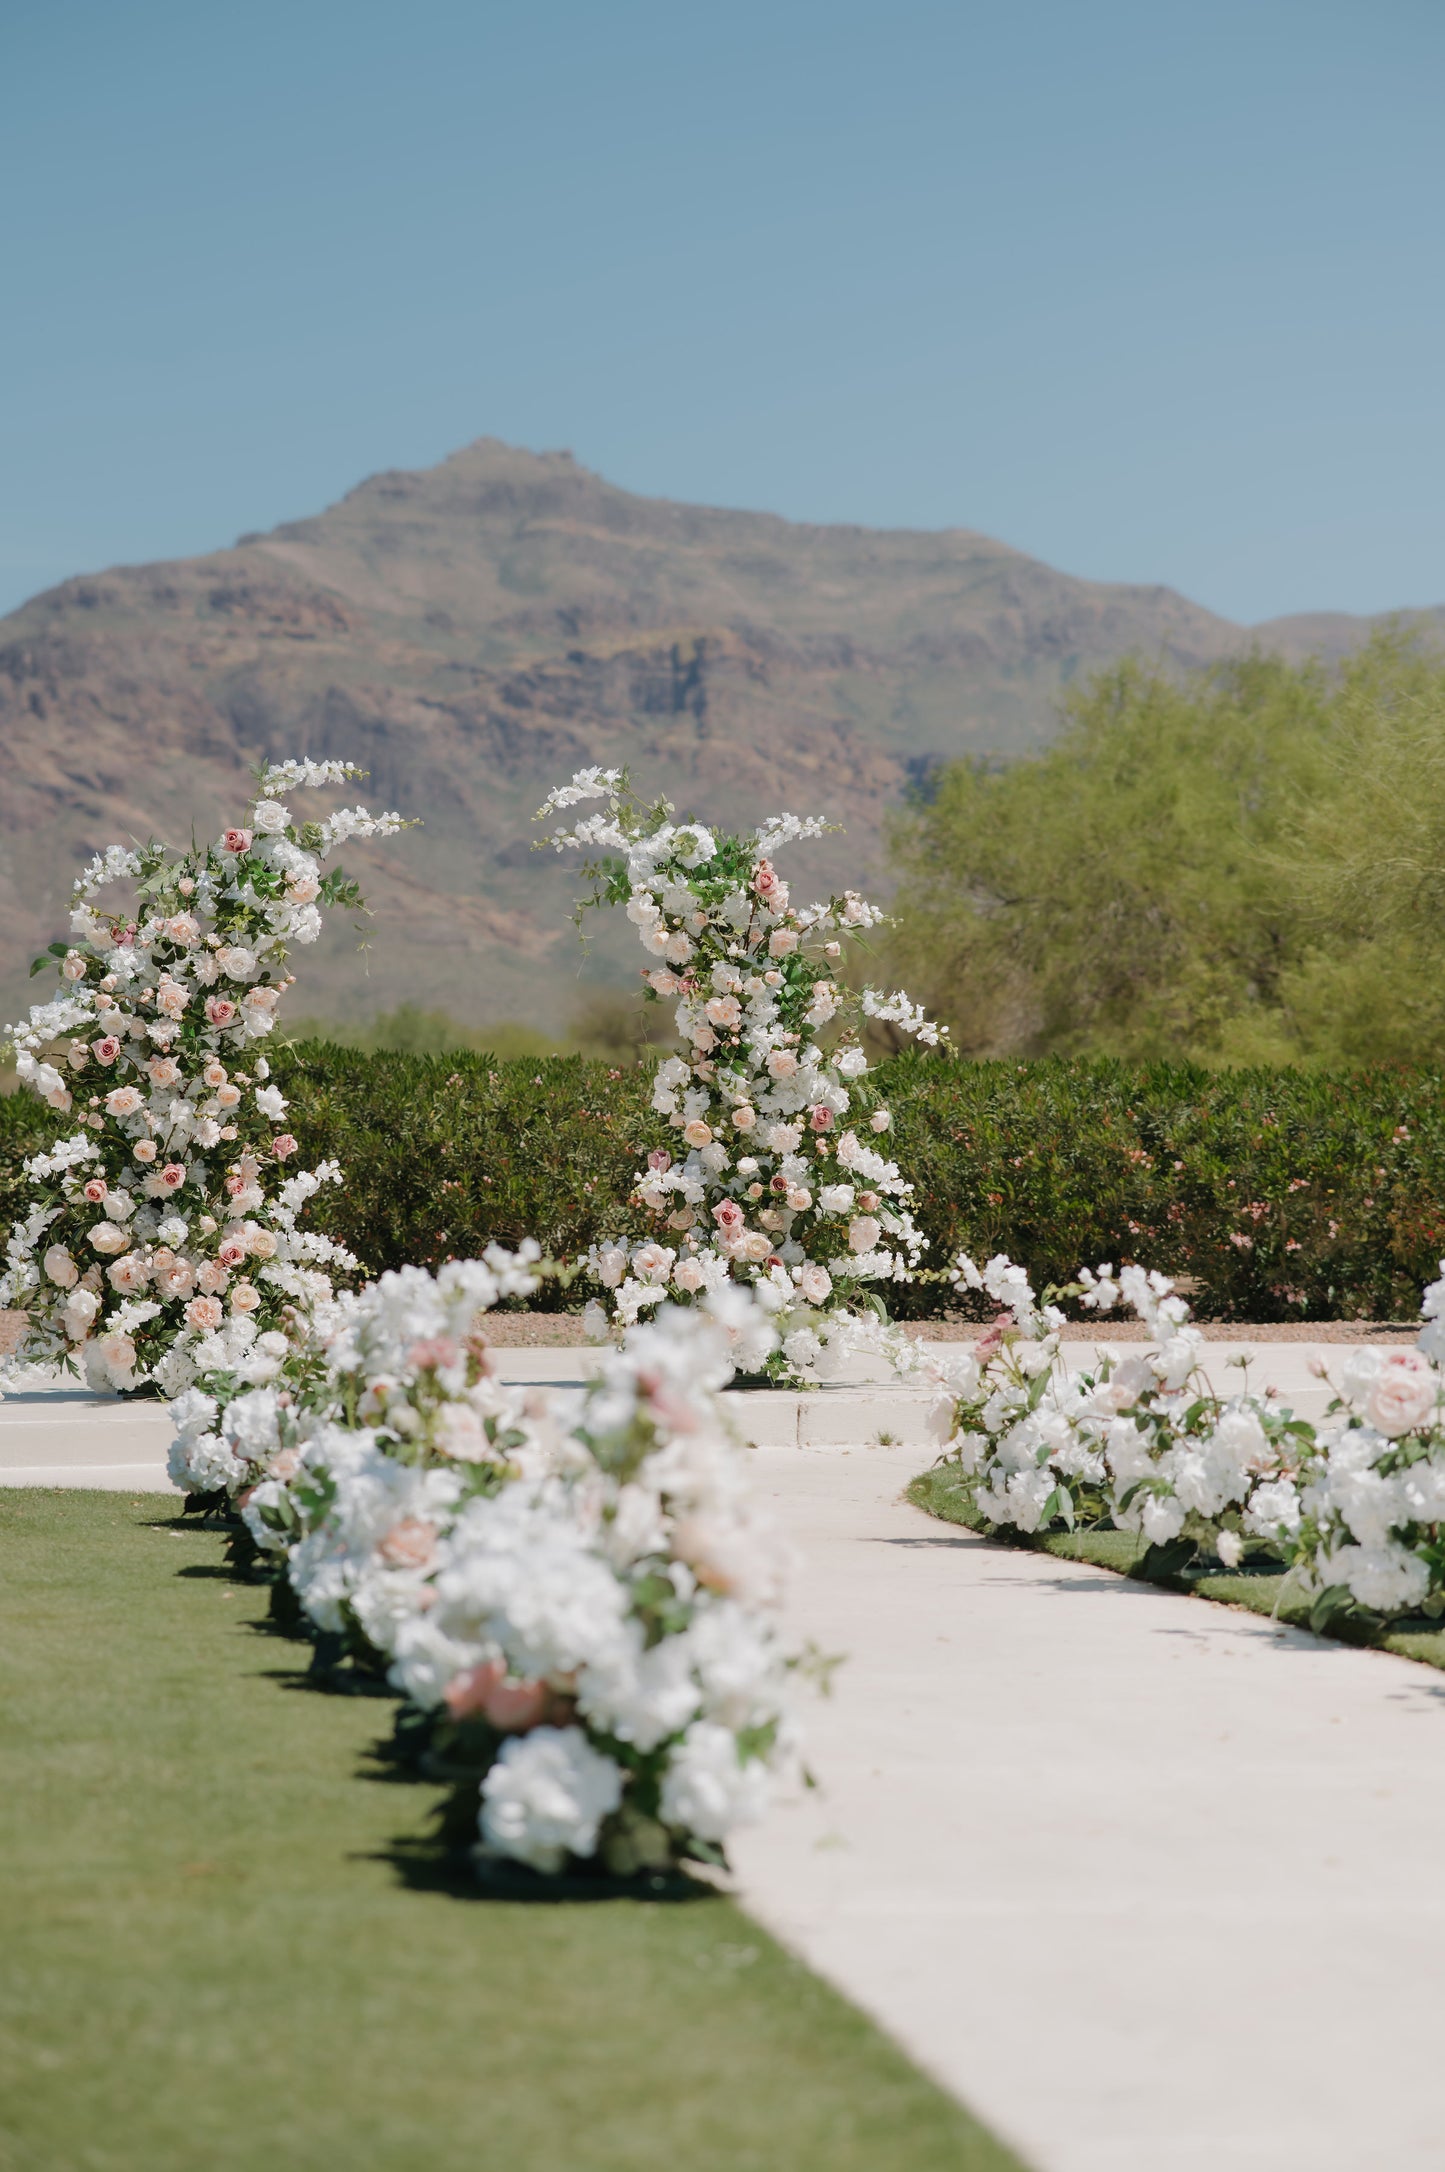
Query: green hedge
(1336, 1180)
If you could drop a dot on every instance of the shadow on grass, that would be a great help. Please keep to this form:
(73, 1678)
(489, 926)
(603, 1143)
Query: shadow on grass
(459, 1875)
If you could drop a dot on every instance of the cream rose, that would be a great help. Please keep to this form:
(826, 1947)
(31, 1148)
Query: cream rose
(61, 1268)
(697, 1133)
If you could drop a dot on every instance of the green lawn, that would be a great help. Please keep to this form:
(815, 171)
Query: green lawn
(212, 1960)
(1261, 1591)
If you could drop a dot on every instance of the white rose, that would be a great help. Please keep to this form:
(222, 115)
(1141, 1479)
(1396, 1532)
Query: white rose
(852, 1063)
(863, 1233)
(271, 818)
(81, 1308)
(836, 1198)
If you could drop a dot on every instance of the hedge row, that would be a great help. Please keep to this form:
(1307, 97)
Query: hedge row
(1281, 1194)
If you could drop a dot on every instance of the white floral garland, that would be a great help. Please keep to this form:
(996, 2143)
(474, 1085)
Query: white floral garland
(592, 1599)
(772, 1184)
(154, 1249)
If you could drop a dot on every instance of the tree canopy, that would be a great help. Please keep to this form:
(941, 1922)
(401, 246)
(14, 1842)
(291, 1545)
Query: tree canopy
(1246, 864)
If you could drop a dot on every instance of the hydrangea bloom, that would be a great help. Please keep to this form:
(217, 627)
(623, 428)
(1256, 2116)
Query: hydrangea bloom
(164, 1241)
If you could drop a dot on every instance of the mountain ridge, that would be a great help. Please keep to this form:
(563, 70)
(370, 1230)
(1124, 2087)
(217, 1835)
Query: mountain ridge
(474, 631)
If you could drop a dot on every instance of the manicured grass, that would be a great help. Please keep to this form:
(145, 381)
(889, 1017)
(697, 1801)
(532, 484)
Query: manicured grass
(940, 1492)
(213, 1956)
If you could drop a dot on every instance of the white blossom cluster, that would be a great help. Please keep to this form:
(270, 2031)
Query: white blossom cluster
(159, 1245)
(776, 1179)
(588, 1595)
(1354, 1505)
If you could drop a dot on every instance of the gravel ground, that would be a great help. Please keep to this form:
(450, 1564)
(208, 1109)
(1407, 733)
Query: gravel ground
(563, 1331)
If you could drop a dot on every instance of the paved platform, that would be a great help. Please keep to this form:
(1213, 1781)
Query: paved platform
(59, 1434)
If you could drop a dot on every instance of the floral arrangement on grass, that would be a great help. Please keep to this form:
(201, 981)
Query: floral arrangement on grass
(1353, 1506)
(163, 1238)
(579, 1606)
(1135, 1443)
(778, 1180)
(1366, 1521)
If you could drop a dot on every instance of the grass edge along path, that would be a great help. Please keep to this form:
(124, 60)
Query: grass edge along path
(216, 1953)
(941, 1492)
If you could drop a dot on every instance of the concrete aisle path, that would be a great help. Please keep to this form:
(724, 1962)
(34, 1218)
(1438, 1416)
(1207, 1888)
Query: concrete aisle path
(57, 1433)
(1152, 1885)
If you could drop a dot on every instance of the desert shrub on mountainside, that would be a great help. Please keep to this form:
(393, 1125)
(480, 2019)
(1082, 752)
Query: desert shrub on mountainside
(1244, 866)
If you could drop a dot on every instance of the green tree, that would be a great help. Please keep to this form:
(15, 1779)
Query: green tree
(1244, 864)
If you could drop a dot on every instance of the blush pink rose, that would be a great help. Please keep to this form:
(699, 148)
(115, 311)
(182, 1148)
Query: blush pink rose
(204, 1313)
(95, 1190)
(220, 1010)
(284, 1146)
(728, 1215)
(173, 1176)
(659, 1158)
(820, 1117)
(409, 1544)
(107, 1049)
(815, 1284)
(1403, 1393)
(235, 841)
(432, 1352)
(144, 1150)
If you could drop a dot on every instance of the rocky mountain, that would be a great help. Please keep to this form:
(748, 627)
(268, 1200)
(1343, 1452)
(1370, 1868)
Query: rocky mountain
(474, 632)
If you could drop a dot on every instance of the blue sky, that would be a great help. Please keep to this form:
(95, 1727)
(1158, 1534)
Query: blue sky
(1153, 291)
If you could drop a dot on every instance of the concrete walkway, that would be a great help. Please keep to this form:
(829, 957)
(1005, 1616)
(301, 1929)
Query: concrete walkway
(1151, 1885)
(57, 1433)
